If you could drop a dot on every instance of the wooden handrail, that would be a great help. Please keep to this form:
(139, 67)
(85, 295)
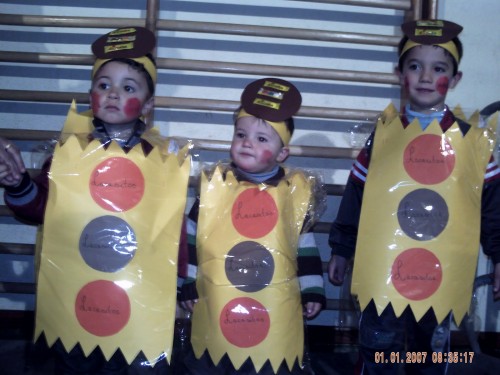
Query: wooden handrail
(198, 144)
(18, 288)
(203, 27)
(16, 248)
(387, 4)
(215, 66)
(70, 22)
(29, 135)
(279, 71)
(278, 32)
(152, 12)
(187, 103)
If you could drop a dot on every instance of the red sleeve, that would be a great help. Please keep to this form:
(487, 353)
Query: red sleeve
(34, 209)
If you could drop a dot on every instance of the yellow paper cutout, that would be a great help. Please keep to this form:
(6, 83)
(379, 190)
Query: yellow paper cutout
(216, 236)
(149, 279)
(381, 239)
(80, 125)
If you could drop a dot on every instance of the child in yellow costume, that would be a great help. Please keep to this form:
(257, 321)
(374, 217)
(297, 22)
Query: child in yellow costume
(421, 196)
(254, 269)
(111, 199)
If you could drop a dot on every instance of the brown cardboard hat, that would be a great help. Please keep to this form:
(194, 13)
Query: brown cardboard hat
(271, 99)
(431, 32)
(125, 42)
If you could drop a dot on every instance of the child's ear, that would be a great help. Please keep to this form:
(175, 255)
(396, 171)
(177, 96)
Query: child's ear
(398, 73)
(283, 155)
(455, 79)
(148, 106)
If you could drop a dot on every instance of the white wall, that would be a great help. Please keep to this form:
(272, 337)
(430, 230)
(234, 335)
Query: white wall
(481, 39)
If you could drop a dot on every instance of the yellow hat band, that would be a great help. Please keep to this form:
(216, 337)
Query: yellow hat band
(279, 127)
(448, 46)
(149, 66)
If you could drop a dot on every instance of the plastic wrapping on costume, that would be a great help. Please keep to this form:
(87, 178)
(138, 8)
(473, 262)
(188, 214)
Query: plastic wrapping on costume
(249, 295)
(108, 271)
(420, 220)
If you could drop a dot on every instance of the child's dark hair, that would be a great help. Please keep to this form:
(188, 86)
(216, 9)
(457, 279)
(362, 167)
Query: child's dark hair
(290, 125)
(139, 68)
(455, 40)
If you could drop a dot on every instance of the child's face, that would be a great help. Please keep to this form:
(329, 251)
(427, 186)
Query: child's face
(119, 94)
(427, 76)
(256, 147)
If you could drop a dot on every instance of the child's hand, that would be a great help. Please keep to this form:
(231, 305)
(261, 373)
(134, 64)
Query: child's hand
(336, 269)
(496, 282)
(188, 305)
(11, 164)
(311, 309)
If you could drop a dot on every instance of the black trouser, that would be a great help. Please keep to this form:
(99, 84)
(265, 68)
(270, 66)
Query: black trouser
(204, 366)
(75, 362)
(386, 340)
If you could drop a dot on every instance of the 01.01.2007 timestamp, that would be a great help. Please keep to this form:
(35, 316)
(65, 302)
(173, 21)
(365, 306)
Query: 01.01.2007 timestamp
(422, 357)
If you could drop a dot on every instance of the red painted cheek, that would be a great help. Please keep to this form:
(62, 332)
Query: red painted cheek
(442, 85)
(133, 107)
(96, 99)
(267, 156)
(406, 84)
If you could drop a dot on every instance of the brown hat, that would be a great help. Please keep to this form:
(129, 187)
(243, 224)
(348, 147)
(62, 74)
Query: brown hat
(271, 99)
(127, 42)
(432, 32)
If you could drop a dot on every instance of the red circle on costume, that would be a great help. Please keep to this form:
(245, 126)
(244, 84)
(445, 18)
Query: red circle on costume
(117, 184)
(416, 274)
(102, 308)
(244, 322)
(429, 159)
(254, 213)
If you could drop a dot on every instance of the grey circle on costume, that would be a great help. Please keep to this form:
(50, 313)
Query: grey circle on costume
(249, 266)
(107, 244)
(423, 214)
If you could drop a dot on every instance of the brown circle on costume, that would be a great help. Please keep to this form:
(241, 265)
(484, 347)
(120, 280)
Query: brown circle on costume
(423, 214)
(249, 266)
(271, 99)
(107, 243)
(125, 42)
(431, 31)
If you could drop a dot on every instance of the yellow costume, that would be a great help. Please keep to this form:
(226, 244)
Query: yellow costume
(414, 245)
(247, 237)
(108, 268)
